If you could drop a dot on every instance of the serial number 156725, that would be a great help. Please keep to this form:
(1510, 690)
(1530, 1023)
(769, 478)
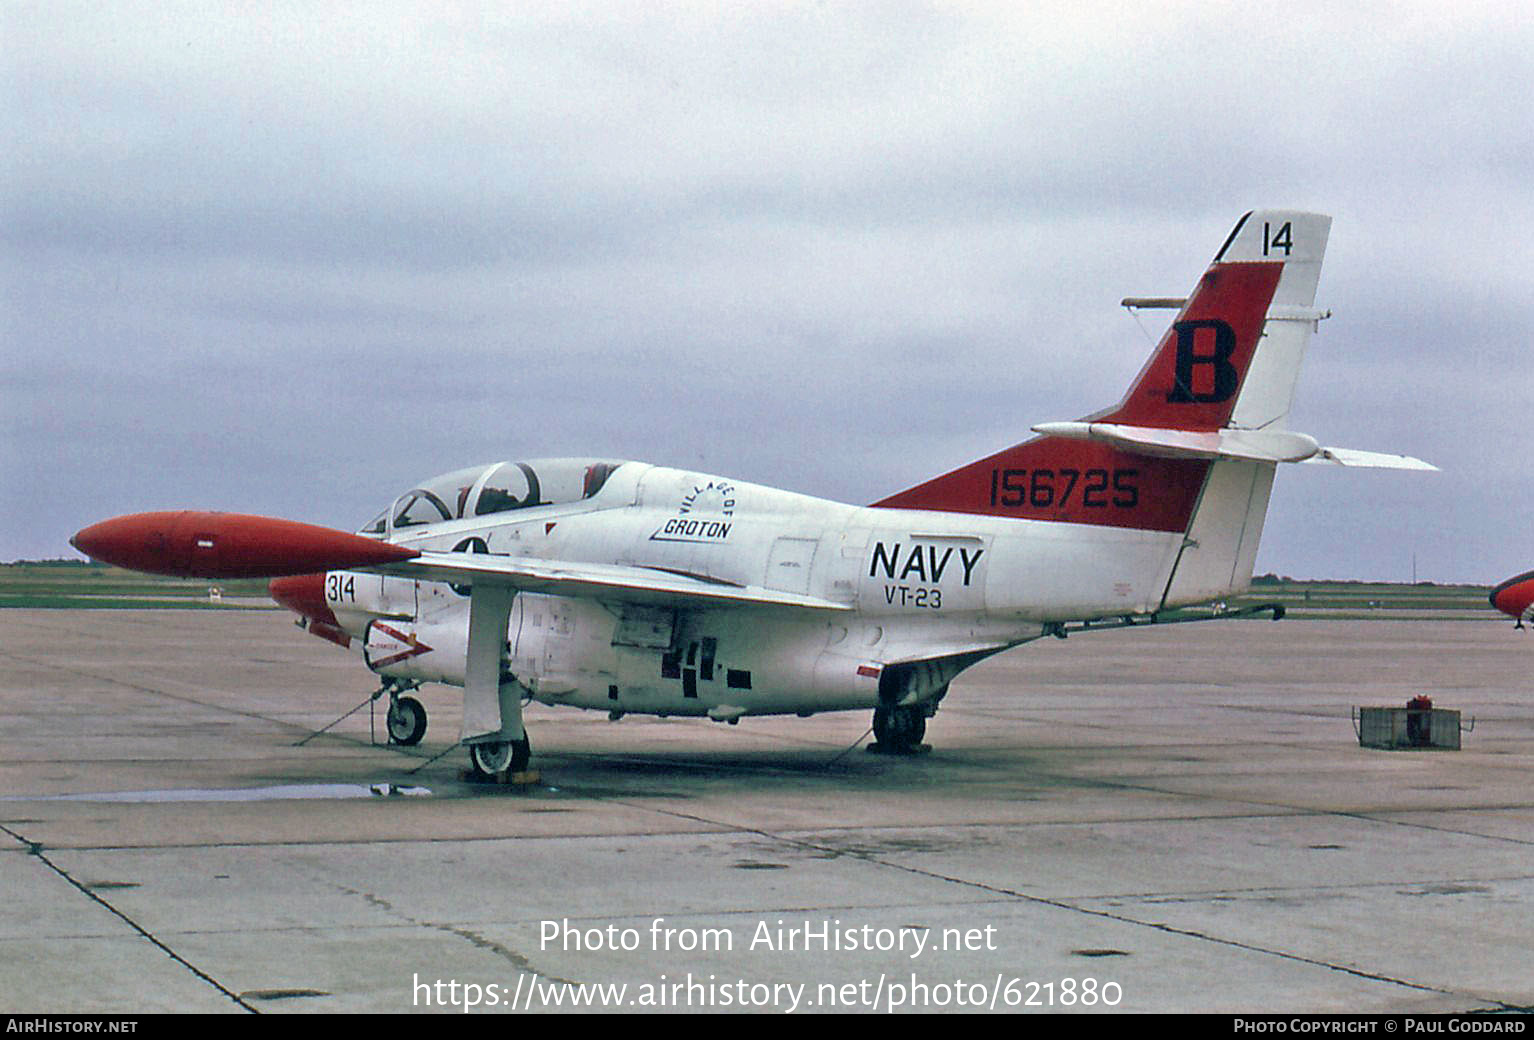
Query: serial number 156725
(1117, 488)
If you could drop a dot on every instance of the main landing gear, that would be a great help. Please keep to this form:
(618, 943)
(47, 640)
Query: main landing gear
(898, 731)
(497, 758)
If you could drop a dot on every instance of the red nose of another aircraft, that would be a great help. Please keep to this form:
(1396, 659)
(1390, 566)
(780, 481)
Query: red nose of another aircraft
(229, 545)
(1514, 596)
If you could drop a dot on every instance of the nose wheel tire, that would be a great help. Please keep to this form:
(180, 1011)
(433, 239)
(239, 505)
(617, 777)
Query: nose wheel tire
(495, 757)
(406, 721)
(899, 730)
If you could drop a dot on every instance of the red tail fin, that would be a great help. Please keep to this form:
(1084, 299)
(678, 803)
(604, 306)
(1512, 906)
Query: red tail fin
(1191, 382)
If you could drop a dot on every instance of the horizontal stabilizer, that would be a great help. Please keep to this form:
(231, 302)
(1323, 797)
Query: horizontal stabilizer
(1250, 445)
(1154, 303)
(1369, 459)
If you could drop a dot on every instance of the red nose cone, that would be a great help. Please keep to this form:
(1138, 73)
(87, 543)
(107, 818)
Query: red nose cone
(304, 594)
(229, 545)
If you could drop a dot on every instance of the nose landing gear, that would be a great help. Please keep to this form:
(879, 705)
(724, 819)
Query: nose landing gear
(406, 720)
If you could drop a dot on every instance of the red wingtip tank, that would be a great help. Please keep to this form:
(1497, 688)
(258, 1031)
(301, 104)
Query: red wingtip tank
(189, 544)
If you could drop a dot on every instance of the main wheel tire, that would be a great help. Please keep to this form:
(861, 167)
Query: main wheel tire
(406, 721)
(913, 726)
(899, 729)
(500, 756)
(884, 727)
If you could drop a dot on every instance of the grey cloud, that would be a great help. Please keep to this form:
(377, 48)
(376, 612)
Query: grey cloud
(292, 261)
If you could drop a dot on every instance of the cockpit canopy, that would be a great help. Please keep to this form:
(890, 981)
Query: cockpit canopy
(497, 488)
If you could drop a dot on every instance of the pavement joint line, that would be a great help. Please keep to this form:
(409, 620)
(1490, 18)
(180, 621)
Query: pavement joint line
(1210, 893)
(1368, 816)
(1162, 926)
(39, 852)
(1074, 908)
(518, 960)
(1438, 829)
(1272, 813)
(182, 699)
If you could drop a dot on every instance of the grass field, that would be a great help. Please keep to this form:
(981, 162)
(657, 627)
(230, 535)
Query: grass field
(1384, 600)
(72, 585)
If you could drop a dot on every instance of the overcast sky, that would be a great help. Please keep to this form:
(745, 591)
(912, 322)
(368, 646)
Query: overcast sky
(294, 262)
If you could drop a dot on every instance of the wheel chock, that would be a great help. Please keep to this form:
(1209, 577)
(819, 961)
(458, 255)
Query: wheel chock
(526, 778)
(891, 749)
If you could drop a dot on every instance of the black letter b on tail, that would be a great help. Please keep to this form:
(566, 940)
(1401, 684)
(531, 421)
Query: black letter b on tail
(1195, 382)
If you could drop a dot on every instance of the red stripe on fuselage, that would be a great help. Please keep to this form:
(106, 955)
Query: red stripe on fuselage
(1077, 482)
(304, 594)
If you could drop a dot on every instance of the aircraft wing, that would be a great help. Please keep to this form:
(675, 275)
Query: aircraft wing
(190, 544)
(617, 582)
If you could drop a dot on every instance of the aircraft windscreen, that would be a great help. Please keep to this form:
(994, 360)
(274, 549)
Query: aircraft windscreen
(521, 485)
(501, 488)
(513, 485)
(441, 498)
(421, 507)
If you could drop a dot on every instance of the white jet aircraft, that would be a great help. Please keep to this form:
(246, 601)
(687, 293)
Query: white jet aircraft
(625, 587)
